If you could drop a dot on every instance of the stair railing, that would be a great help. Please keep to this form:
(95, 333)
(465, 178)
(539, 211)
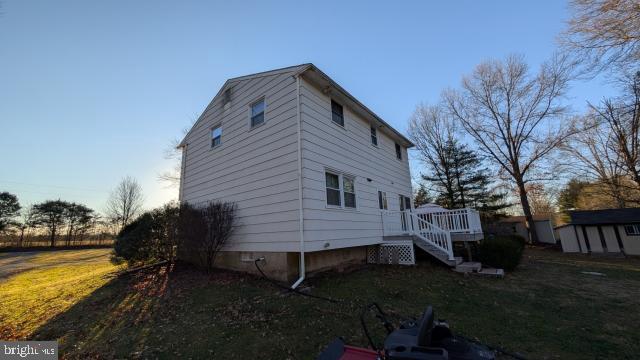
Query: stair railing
(407, 222)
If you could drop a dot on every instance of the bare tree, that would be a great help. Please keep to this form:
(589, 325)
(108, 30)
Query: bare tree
(125, 202)
(593, 156)
(622, 119)
(515, 118)
(433, 130)
(604, 33)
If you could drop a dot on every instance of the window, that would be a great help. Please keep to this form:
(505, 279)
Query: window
(632, 229)
(257, 113)
(216, 136)
(226, 99)
(398, 151)
(341, 190)
(349, 192)
(333, 189)
(382, 200)
(336, 113)
(374, 136)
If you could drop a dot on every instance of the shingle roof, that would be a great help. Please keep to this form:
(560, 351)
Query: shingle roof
(608, 216)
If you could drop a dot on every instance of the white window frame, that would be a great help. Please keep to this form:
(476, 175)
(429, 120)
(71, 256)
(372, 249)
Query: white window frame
(385, 200)
(264, 113)
(217, 126)
(344, 122)
(341, 176)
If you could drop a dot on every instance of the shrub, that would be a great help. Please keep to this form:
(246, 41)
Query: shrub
(502, 251)
(134, 242)
(152, 236)
(203, 231)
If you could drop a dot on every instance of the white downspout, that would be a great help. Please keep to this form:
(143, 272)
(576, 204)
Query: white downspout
(300, 209)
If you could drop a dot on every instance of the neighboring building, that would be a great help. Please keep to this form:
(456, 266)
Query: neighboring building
(517, 225)
(311, 169)
(602, 231)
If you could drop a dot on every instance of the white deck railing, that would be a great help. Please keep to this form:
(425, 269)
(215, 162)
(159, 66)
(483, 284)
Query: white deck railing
(409, 223)
(455, 221)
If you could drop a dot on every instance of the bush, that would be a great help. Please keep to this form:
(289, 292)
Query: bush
(152, 236)
(204, 231)
(502, 251)
(134, 242)
(199, 234)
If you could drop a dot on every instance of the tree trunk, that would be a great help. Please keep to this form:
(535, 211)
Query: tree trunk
(526, 209)
(21, 237)
(52, 239)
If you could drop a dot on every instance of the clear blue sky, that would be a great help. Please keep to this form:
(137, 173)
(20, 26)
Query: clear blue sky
(92, 91)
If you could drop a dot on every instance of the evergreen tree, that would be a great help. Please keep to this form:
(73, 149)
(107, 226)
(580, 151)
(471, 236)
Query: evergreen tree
(460, 180)
(422, 196)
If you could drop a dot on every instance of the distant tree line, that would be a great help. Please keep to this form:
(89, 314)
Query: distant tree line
(64, 223)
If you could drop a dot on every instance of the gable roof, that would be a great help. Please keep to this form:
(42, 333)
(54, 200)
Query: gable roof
(314, 74)
(607, 216)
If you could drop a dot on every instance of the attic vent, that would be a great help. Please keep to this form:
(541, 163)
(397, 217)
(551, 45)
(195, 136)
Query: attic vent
(226, 98)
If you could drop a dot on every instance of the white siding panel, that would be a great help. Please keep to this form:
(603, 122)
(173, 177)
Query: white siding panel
(348, 150)
(256, 168)
(568, 239)
(610, 238)
(594, 238)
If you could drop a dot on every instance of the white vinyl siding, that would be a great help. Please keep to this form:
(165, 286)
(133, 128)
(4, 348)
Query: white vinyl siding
(257, 169)
(348, 151)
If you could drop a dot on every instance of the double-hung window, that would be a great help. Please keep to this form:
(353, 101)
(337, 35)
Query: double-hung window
(216, 136)
(337, 115)
(382, 200)
(374, 136)
(257, 112)
(341, 190)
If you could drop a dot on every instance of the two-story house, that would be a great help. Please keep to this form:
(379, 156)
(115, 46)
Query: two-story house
(312, 171)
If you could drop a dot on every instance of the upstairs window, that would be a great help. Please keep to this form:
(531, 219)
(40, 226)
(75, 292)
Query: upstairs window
(341, 190)
(374, 136)
(257, 113)
(382, 200)
(398, 151)
(216, 136)
(336, 113)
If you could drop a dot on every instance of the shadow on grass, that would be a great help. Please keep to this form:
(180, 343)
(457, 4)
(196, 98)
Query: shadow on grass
(543, 309)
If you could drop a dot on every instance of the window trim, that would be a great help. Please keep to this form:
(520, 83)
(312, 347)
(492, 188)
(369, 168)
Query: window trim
(341, 115)
(262, 98)
(341, 176)
(383, 200)
(636, 227)
(374, 135)
(214, 127)
(398, 149)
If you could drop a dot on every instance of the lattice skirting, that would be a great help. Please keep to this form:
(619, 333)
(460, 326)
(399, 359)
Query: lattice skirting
(396, 252)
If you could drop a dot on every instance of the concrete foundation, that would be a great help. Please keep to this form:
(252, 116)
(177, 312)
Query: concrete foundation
(284, 266)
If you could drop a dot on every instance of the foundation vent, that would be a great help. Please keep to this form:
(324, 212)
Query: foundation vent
(396, 253)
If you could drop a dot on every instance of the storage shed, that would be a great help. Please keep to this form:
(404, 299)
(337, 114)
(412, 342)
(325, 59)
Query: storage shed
(602, 231)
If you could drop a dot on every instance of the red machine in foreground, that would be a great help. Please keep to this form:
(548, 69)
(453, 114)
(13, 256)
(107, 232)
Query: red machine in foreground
(423, 339)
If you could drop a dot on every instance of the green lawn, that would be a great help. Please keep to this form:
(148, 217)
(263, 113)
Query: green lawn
(546, 309)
